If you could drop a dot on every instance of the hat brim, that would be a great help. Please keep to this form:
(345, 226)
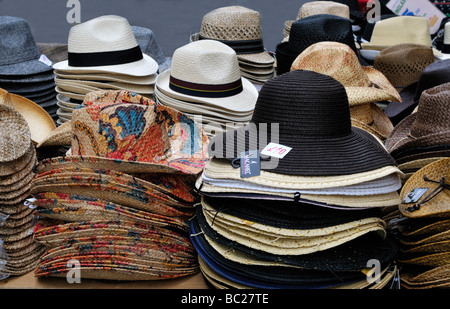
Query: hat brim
(84, 87)
(398, 110)
(243, 102)
(23, 69)
(24, 79)
(356, 152)
(381, 126)
(144, 67)
(145, 80)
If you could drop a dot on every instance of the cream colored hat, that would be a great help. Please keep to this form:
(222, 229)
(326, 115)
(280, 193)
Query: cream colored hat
(207, 72)
(106, 44)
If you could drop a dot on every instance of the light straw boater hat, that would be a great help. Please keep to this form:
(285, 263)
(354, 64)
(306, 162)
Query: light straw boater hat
(206, 72)
(239, 28)
(106, 44)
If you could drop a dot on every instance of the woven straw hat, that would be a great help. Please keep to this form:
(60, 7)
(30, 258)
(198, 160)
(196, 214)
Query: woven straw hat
(15, 134)
(437, 277)
(106, 44)
(400, 30)
(296, 108)
(445, 48)
(317, 7)
(238, 27)
(433, 75)
(207, 72)
(433, 176)
(38, 120)
(140, 122)
(416, 131)
(402, 64)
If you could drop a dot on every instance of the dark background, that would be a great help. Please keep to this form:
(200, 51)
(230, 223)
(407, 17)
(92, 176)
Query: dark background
(172, 21)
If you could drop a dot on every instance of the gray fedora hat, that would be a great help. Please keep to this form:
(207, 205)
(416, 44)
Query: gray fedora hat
(19, 54)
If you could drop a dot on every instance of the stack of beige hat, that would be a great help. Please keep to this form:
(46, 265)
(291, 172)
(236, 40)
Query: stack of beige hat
(240, 28)
(17, 161)
(205, 82)
(315, 8)
(103, 54)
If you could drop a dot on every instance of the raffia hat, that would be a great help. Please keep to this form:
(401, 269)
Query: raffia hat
(182, 146)
(106, 44)
(238, 27)
(39, 121)
(416, 131)
(426, 193)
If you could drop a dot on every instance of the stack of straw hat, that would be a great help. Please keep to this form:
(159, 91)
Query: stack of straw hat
(17, 161)
(205, 82)
(240, 28)
(424, 228)
(103, 54)
(424, 136)
(23, 70)
(340, 62)
(310, 218)
(119, 202)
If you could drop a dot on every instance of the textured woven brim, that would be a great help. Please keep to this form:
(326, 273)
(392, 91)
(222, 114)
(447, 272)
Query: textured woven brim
(221, 169)
(144, 80)
(84, 87)
(18, 169)
(380, 126)
(415, 165)
(438, 205)
(434, 247)
(415, 241)
(60, 136)
(423, 226)
(430, 260)
(242, 102)
(354, 153)
(425, 279)
(350, 256)
(144, 67)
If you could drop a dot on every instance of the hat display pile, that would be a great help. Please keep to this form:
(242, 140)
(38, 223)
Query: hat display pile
(206, 83)
(240, 28)
(19, 253)
(23, 69)
(340, 62)
(415, 141)
(119, 203)
(424, 241)
(103, 54)
(297, 223)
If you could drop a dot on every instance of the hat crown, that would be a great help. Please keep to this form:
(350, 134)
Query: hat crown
(434, 104)
(207, 62)
(434, 74)
(231, 23)
(101, 34)
(304, 103)
(318, 28)
(323, 7)
(16, 41)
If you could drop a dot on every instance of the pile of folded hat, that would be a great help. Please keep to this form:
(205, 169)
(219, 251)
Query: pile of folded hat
(340, 62)
(424, 228)
(295, 199)
(119, 202)
(20, 253)
(23, 70)
(240, 28)
(103, 54)
(205, 82)
(423, 136)
(312, 29)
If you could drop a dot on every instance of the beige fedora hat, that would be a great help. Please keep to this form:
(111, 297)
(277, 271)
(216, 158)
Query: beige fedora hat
(106, 44)
(39, 121)
(207, 72)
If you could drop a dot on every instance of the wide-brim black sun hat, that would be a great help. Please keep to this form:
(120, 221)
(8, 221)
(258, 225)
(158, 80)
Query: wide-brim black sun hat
(308, 112)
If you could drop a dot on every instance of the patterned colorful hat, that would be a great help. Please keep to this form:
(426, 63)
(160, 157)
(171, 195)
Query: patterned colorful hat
(126, 132)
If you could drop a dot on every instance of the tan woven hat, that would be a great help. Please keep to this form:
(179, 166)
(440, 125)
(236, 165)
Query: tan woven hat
(400, 30)
(238, 27)
(416, 130)
(402, 64)
(426, 193)
(15, 135)
(315, 8)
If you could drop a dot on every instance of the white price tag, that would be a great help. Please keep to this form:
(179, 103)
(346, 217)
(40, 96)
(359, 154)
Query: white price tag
(45, 60)
(276, 150)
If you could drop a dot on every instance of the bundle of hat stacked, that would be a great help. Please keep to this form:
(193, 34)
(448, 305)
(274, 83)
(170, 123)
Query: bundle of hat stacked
(119, 203)
(19, 253)
(95, 64)
(23, 70)
(304, 220)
